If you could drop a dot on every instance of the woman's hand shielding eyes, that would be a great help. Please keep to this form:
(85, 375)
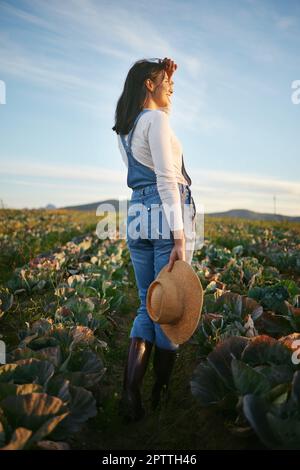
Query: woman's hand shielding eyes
(170, 67)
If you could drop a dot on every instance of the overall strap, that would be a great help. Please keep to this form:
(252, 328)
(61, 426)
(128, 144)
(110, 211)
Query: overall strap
(127, 143)
(184, 172)
(134, 124)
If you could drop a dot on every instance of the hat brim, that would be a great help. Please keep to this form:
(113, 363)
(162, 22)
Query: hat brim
(192, 290)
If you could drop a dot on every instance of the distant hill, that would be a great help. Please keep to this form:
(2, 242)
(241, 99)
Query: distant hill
(240, 213)
(251, 215)
(93, 205)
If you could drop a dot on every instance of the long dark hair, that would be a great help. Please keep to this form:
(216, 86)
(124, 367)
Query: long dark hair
(134, 92)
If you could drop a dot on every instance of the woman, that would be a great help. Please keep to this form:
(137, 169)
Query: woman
(160, 185)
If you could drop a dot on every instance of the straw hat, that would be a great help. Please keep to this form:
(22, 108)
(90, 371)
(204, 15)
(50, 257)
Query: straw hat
(174, 300)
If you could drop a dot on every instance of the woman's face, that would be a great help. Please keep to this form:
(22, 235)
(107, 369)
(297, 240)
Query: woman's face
(162, 91)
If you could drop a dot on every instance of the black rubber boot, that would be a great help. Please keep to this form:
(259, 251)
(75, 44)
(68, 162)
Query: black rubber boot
(130, 405)
(163, 364)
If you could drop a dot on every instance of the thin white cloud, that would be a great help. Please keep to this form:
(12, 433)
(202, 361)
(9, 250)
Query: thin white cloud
(248, 182)
(53, 73)
(60, 193)
(97, 30)
(105, 30)
(217, 190)
(8, 8)
(60, 171)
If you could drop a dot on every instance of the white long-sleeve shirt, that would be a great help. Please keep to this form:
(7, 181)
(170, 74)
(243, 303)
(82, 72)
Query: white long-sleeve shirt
(155, 145)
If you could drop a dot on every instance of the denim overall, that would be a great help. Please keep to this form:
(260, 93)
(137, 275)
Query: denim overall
(150, 254)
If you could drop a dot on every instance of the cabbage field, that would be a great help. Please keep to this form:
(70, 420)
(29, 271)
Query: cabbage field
(67, 302)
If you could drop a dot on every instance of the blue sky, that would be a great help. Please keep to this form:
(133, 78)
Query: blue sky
(64, 66)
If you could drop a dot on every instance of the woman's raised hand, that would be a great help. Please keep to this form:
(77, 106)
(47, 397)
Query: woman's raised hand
(170, 67)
